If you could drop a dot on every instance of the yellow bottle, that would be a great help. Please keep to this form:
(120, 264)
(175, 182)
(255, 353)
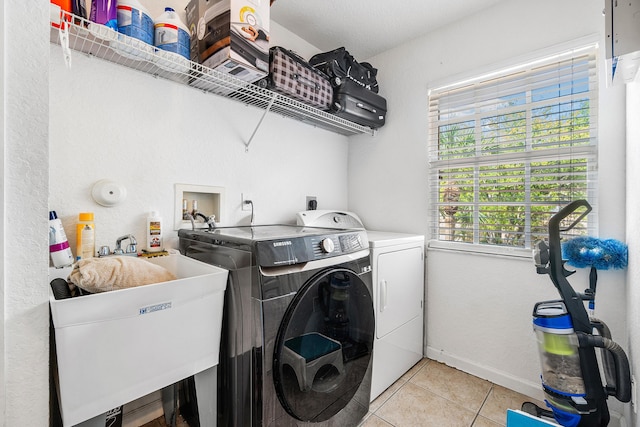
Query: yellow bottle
(85, 236)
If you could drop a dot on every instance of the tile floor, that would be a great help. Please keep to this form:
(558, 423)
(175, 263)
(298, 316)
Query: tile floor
(432, 394)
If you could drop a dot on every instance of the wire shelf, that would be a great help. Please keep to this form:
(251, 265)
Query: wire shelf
(73, 33)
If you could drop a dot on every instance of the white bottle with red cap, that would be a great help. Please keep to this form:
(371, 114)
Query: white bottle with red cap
(171, 34)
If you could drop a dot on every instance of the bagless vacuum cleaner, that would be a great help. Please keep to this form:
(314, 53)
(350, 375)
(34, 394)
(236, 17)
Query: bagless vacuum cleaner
(568, 337)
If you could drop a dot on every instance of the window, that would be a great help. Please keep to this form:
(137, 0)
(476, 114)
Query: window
(509, 149)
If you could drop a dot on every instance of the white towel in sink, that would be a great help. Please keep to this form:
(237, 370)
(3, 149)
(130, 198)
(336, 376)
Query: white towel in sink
(116, 272)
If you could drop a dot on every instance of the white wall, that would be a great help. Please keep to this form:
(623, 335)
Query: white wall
(478, 316)
(633, 230)
(2, 231)
(107, 122)
(25, 321)
(149, 134)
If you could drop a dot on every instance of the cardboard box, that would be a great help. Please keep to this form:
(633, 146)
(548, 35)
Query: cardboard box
(115, 347)
(230, 36)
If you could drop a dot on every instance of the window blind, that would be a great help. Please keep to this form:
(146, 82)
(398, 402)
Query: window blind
(508, 149)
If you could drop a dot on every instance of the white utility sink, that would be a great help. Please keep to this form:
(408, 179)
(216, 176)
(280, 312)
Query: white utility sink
(117, 346)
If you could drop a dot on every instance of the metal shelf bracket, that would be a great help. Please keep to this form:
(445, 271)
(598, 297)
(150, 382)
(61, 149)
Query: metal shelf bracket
(63, 35)
(264, 114)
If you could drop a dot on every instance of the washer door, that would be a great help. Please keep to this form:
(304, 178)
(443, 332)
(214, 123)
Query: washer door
(324, 345)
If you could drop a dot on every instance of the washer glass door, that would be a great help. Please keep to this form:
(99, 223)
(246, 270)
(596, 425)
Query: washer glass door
(324, 345)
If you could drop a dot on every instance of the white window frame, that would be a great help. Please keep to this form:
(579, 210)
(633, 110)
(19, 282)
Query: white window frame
(565, 51)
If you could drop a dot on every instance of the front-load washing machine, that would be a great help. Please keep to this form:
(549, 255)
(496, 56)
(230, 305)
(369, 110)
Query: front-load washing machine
(298, 323)
(397, 261)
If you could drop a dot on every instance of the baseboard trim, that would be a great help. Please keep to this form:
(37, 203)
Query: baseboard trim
(528, 388)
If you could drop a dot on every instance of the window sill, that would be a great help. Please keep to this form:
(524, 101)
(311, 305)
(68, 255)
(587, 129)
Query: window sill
(502, 251)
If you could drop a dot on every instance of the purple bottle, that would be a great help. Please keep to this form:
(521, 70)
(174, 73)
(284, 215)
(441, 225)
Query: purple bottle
(105, 12)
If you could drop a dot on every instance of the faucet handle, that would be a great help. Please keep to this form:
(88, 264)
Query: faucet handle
(131, 248)
(211, 221)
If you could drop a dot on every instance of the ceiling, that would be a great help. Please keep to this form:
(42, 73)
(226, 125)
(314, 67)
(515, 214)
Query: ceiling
(369, 27)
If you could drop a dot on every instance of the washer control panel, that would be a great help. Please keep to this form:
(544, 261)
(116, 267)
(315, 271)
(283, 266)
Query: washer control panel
(327, 245)
(297, 250)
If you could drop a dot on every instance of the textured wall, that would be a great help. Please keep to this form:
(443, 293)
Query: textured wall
(150, 134)
(25, 184)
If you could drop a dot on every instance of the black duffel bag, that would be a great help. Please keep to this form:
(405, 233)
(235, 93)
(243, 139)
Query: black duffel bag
(339, 65)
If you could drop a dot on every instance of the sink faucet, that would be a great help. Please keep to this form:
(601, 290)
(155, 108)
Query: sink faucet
(209, 220)
(132, 247)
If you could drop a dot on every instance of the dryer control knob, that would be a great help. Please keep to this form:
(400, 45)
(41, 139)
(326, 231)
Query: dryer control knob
(327, 245)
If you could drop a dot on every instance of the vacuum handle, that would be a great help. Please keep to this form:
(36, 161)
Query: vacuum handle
(622, 388)
(555, 249)
(554, 222)
(608, 364)
(558, 273)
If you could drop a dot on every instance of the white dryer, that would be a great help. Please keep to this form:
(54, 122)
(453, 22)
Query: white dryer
(397, 261)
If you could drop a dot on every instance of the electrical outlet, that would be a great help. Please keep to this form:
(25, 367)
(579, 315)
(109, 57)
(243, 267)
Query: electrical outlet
(246, 197)
(311, 206)
(634, 395)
